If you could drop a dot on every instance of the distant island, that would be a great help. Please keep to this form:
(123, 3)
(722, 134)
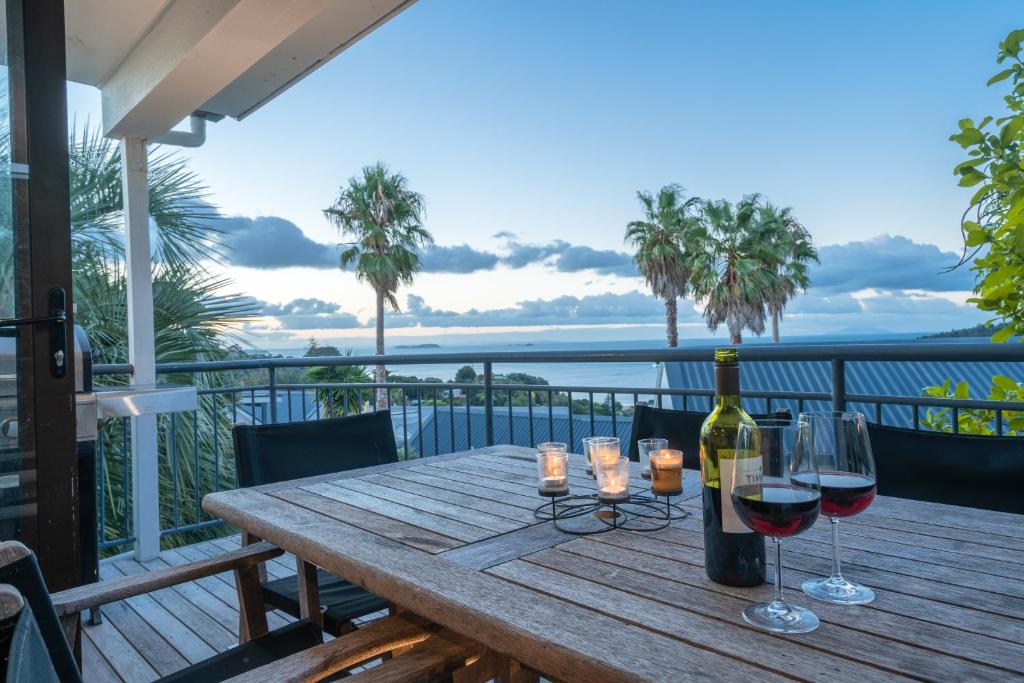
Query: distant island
(418, 346)
(976, 331)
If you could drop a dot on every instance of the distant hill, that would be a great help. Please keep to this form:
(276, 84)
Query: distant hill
(976, 331)
(418, 346)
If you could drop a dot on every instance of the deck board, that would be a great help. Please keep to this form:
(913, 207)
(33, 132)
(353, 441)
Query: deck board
(161, 632)
(141, 639)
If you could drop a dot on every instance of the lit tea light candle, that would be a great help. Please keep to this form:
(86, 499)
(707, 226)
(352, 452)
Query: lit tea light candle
(612, 479)
(605, 450)
(553, 471)
(666, 472)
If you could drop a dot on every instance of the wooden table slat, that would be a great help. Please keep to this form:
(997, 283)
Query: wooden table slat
(436, 523)
(396, 530)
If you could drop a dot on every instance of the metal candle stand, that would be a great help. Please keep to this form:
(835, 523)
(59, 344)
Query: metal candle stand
(655, 513)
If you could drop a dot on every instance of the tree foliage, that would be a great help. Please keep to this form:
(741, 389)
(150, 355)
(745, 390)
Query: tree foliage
(993, 224)
(743, 261)
(338, 401)
(385, 218)
(993, 229)
(976, 420)
(752, 259)
(664, 241)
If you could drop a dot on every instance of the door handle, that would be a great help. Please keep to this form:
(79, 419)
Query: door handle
(58, 332)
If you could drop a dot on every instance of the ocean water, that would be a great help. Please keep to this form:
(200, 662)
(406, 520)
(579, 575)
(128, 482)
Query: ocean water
(585, 374)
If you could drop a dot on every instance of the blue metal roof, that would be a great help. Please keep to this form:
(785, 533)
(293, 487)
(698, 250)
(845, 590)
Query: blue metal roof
(882, 378)
(445, 425)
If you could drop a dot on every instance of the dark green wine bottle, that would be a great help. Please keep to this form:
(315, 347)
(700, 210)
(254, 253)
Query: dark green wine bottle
(733, 554)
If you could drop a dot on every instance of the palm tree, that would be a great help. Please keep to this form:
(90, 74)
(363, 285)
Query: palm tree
(735, 274)
(794, 249)
(663, 241)
(385, 218)
(336, 401)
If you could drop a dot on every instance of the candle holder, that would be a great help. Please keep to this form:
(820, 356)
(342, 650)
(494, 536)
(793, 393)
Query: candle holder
(552, 470)
(611, 506)
(666, 472)
(645, 448)
(590, 447)
(612, 479)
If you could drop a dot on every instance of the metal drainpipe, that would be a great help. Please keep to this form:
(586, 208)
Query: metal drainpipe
(195, 136)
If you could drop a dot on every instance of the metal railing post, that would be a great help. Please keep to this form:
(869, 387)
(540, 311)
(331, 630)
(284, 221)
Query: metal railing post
(489, 402)
(272, 384)
(838, 384)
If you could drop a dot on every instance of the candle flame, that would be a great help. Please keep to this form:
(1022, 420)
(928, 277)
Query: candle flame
(552, 467)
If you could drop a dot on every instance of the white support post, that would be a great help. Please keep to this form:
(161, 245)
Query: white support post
(141, 346)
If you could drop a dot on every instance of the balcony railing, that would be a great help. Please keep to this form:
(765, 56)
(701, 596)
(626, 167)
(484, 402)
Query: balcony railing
(196, 455)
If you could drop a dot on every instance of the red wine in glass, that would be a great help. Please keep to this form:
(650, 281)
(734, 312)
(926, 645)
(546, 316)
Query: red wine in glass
(843, 494)
(777, 510)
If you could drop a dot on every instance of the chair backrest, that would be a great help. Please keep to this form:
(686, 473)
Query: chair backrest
(266, 454)
(18, 567)
(680, 427)
(972, 471)
(25, 656)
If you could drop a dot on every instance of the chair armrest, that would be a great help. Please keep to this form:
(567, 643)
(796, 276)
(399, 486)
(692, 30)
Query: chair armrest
(369, 642)
(75, 600)
(444, 656)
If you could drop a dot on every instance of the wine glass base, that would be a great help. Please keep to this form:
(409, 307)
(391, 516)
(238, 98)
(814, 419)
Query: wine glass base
(786, 618)
(838, 591)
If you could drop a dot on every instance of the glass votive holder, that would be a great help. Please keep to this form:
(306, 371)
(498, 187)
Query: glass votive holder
(553, 471)
(666, 472)
(646, 447)
(607, 448)
(612, 479)
(588, 450)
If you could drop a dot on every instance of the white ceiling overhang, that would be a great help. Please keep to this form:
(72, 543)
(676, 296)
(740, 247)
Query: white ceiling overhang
(158, 61)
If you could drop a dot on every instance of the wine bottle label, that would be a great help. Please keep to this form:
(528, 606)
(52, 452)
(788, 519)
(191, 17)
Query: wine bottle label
(729, 466)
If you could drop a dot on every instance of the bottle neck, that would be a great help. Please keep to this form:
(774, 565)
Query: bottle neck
(727, 385)
(727, 401)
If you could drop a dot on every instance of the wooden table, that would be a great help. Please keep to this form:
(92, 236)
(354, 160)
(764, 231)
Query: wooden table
(454, 539)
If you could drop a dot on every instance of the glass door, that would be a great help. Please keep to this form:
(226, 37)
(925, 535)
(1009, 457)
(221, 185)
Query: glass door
(18, 496)
(38, 474)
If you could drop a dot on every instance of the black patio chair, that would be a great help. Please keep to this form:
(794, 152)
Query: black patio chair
(984, 472)
(680, 427)
(267, 454)
(37, 629)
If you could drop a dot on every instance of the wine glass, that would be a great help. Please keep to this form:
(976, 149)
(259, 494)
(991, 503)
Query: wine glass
(777, 495)
(846, 471)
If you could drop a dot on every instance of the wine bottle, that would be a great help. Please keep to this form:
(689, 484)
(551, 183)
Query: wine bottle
(733, 554)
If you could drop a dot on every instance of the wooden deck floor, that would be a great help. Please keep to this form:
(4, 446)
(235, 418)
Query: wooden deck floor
(144, 638)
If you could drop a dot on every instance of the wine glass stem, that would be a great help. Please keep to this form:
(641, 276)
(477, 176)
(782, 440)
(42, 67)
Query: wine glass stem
(778, 601)
(836, 573)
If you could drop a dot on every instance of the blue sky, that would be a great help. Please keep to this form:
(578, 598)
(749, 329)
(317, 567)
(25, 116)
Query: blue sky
(541, 120)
